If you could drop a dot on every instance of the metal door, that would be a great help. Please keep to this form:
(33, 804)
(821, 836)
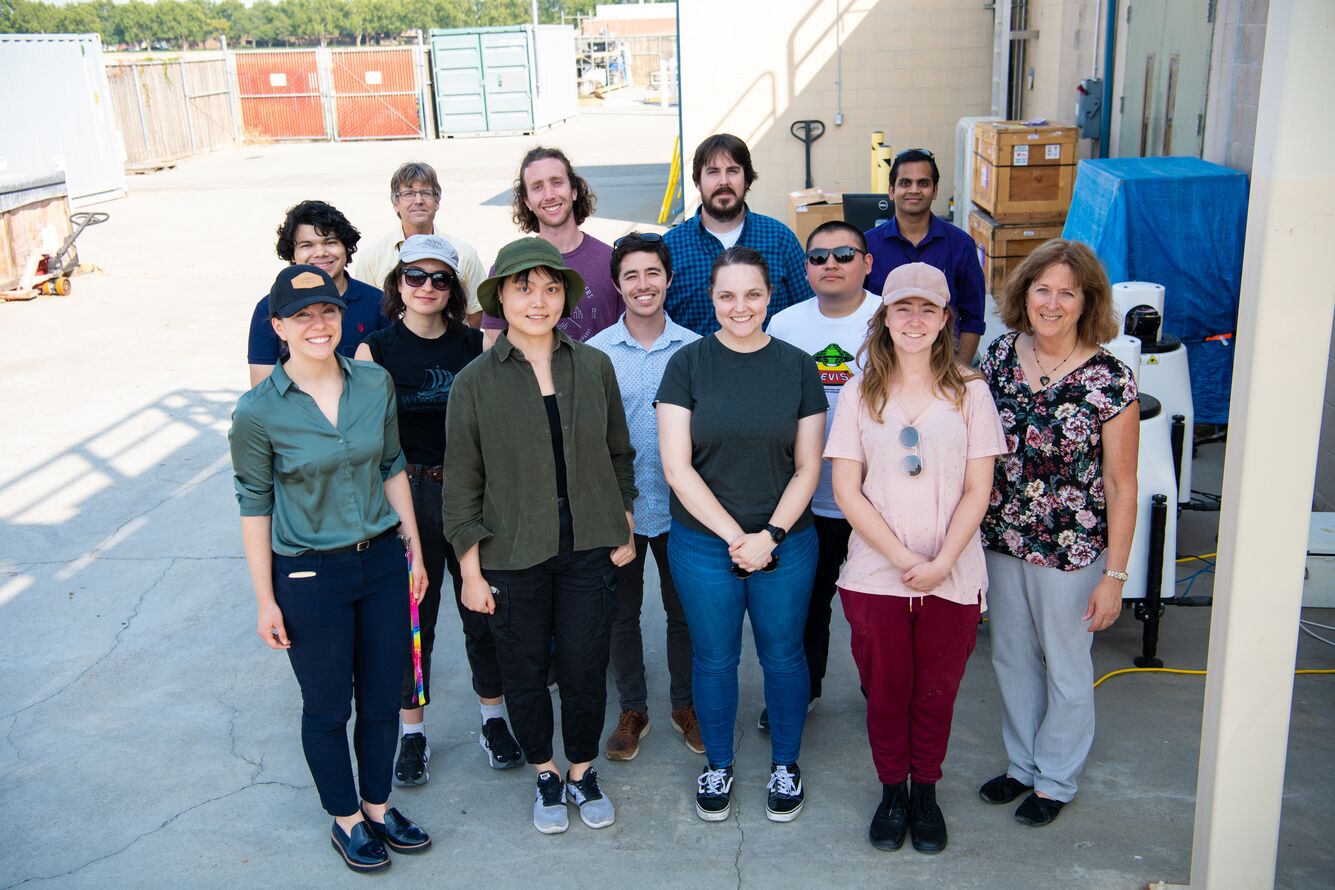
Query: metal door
(1166, 68)
(456, 65)
(506, 80)
(375, 93)
(280, 95)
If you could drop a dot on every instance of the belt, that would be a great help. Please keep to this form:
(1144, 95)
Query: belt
(355, 548)
(434, 473)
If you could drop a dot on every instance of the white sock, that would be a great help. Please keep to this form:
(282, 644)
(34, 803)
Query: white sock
(490, 711)
(410, 728)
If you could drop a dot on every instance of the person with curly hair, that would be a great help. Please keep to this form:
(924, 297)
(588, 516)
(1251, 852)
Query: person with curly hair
(552, 201)
(317, 234)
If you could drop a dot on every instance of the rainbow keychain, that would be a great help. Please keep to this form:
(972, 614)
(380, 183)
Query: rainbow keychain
(417, 634)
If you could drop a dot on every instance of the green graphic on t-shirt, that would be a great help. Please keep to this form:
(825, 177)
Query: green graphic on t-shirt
(832, 363)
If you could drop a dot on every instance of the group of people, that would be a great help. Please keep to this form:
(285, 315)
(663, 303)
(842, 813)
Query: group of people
(775, 423)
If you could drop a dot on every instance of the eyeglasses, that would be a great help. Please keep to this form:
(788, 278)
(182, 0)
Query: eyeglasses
(842, 255)
(742, 574)
(915, 151)
(909, 438)
(646, 237)
(415, 277)
(412, 194)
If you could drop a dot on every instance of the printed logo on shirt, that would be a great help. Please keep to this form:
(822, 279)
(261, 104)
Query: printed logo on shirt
(832, 363)
(435, 389)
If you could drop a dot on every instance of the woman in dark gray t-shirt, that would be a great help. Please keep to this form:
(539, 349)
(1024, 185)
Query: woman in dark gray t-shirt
(741, 419)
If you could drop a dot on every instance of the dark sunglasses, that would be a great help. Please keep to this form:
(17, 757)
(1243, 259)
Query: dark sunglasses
(909, 438)
(915, 151)
(743, 574)
(842, 255)
(646, 237)
(415, 277)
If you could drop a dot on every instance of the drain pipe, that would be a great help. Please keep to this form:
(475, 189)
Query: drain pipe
(1109, 60)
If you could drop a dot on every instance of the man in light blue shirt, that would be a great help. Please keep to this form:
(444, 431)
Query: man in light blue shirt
(639, 345)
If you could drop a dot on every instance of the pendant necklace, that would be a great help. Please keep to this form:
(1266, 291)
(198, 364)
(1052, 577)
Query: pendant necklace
(1045, 378)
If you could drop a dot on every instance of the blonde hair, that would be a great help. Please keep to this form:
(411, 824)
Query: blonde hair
(879, 365)
(1098, 317)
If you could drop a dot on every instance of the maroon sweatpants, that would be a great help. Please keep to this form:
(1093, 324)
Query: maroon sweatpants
(910, 654)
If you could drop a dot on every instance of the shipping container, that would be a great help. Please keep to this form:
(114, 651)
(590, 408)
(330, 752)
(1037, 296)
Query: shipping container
(503, 80)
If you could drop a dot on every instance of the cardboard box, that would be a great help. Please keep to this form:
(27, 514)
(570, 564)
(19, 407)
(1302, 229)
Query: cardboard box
(1024, 174)
(809, 208)
(1002, 247)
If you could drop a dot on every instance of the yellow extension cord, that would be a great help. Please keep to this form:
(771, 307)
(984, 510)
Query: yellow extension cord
(1112, 674)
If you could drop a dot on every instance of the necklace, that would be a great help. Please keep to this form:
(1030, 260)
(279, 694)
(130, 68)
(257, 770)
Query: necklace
(1045, 378)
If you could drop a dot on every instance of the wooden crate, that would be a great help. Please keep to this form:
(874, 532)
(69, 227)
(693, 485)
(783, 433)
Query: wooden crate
(1001, 247)
(21, 233)
(1024, 174)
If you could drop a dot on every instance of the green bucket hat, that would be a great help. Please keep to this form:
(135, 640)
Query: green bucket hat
(519, 256)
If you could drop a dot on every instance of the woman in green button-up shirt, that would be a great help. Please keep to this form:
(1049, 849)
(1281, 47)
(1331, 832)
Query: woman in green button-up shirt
(539, 486)
(320, 481)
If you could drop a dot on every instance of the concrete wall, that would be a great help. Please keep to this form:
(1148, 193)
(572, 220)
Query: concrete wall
(752, 67)
(1235, 82)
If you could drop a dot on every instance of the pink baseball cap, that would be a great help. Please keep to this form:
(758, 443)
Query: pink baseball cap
(916, 280)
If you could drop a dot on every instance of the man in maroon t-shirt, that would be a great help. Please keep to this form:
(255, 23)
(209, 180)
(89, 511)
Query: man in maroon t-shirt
(552, 201)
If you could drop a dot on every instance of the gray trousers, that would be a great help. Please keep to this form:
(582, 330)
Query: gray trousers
(627, 642)
(1040, 652)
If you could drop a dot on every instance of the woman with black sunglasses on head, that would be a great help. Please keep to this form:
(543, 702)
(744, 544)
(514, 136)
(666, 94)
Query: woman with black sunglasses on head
(913, 443)
(425, 347)
(741, 416)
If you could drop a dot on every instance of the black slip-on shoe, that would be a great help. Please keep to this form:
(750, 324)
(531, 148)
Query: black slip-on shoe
(1003, 789)
(398, 832)
(1036, 811)
(361, 850)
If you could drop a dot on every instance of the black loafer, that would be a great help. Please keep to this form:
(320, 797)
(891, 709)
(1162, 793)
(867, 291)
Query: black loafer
(398, 832)
(1037, 811)
(891, 821)
(361, 850)
(1003, 789)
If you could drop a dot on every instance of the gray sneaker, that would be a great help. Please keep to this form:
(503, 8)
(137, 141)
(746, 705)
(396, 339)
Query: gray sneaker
(549, 809)
(594, 807)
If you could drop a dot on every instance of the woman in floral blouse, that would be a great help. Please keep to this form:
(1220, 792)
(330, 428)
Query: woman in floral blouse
(1063, 508)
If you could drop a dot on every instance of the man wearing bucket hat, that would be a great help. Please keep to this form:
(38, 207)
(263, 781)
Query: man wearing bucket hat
(540, 484)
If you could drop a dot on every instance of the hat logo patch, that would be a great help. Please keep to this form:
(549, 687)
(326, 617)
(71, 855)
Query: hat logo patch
(306, 281)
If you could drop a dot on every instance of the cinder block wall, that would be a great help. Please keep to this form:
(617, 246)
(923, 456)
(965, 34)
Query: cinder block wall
(1237, 53)
(752, 67)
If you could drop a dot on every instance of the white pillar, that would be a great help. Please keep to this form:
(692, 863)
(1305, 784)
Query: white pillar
(1283, 339)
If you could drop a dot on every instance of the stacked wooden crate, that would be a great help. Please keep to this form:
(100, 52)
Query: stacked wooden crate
(1023, 177)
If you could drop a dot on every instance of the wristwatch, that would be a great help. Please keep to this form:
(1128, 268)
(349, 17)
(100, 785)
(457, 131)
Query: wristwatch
(778, 534)
(1119, 576)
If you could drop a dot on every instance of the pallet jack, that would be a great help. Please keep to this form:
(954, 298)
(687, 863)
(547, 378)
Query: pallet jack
(46, 274)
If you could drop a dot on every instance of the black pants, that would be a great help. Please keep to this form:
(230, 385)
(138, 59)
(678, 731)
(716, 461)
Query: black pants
(832, 535)
(350, 632)
(571, 596)
(439, 558)
(627, 641)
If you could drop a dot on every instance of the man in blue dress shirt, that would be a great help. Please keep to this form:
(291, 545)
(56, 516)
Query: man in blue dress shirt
(723, 174)
(639, 345)
(916, 235)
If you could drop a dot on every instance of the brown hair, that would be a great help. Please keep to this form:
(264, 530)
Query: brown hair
(879, 365)
(723, 143)
(1098, 317)
(585, 200)
(455, 305)
(413, 171)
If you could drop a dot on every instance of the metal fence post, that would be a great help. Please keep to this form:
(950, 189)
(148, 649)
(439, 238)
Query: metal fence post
(143, 120)
(419, 59)
(234, 94)
(324, 73)
(189, 115)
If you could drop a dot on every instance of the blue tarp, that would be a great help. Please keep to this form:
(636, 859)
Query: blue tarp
(1179, 222)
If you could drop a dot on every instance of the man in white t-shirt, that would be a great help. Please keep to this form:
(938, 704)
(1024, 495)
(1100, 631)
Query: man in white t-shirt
(831, 329)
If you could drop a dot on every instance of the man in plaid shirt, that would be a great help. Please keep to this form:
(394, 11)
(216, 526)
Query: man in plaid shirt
(723, 174)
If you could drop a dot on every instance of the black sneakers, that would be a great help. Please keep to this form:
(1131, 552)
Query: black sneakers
(502, 749)
(890, 823)
(713, 800)
(414, 755)
(785, 793)
(927, 825)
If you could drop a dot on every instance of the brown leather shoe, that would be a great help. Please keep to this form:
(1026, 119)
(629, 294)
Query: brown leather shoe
(624, 742)
(684, 722)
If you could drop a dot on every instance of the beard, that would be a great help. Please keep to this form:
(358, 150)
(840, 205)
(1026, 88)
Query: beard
(724, 214)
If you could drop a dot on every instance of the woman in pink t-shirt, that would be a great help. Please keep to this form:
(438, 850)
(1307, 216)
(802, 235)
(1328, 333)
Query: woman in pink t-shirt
(913, 443)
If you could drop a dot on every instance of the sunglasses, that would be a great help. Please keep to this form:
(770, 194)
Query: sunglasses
(742, 574)
(415, 277)
(915, 151)
(646, 237)
(909, 438)
(842, 255)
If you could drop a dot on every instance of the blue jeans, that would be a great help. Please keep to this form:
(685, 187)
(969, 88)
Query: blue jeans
(714, 601)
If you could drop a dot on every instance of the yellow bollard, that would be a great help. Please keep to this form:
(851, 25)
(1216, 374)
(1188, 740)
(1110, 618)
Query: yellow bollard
(877, 140)
(885, 156)
(674, 176)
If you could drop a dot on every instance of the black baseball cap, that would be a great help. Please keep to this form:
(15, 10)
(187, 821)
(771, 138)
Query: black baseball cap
(297, 287)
